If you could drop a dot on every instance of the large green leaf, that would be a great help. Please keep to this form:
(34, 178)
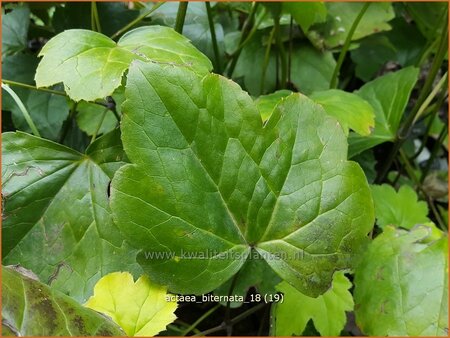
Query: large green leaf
(388, 95)
(141, 308)
(31, 308)
(403, 283)
(326, 311)
(349, 109)
(91, 65)
(400, 208)
(340, 18)
(56, 218)
(209, 181)
(15, 30)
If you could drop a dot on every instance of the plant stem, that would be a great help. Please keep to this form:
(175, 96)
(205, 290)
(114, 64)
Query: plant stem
(266, 60)
(406, 127)
(22, 108)
(434, 152)
(45, 90)
(442, 82)
(281, 51)
(213, 37)
(202, 318)
(235, 320)
(344, 50)
(181, 15)
(244, 34)
(291, 46)
(137, 20)
(24, 85)
(95, 20)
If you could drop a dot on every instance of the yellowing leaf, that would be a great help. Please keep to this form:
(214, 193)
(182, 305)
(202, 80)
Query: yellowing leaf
(140, 307)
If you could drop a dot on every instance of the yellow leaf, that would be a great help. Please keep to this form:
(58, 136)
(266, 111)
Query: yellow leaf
(141, 308)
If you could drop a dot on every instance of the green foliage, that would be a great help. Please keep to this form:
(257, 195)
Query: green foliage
(388, 95)
(328, 311)
(400, 208)
(264, 199)
(140, 307)
(15, 30)
(340, 17)
(403, 283)
(56, 218)
(31, 308)
(306, 13)
(93, 68)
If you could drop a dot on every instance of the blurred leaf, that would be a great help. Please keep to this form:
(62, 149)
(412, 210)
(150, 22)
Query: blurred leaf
(326, 311)
(350, 110)
(428, 17)
(306, 13)
(388, 95)
(140, 307)
(195, 28)
(376, 48)
(112, 15)
(340, 18)
(31, 308)
(15, 30)
(48, 111)
(311, 70)
(267, 103)
(91, 65)
(367, 161)
(403, 283)
(400, 208)
(56, 217)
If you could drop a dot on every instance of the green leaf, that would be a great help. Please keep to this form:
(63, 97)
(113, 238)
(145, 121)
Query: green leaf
(15, 30)
(349, 109)
(388, 95)
(31, 308)
(92, 65)
(340, 18)
(267, 103)
(254, 273)
(141, 308)
(209, 180)
(326, 311)
(403, 283)
(428, 17)
(93, 118)
(56, 217)
(48, 111)
(400, 208)
(311, 70)
(306, 13)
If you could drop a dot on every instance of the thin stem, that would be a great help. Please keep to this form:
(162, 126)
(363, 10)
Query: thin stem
(45, 90)
(181, 15)
(442, 82)
(22, 108)
(245, 31)
(266, 59)
(235, 320)
(137, 20)
(344, 50)
(95, 20)
(202, 318)
(291, 46)
(213, 37)
(281, 51)
(434, 151)
(24, 85)
(407, 125)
